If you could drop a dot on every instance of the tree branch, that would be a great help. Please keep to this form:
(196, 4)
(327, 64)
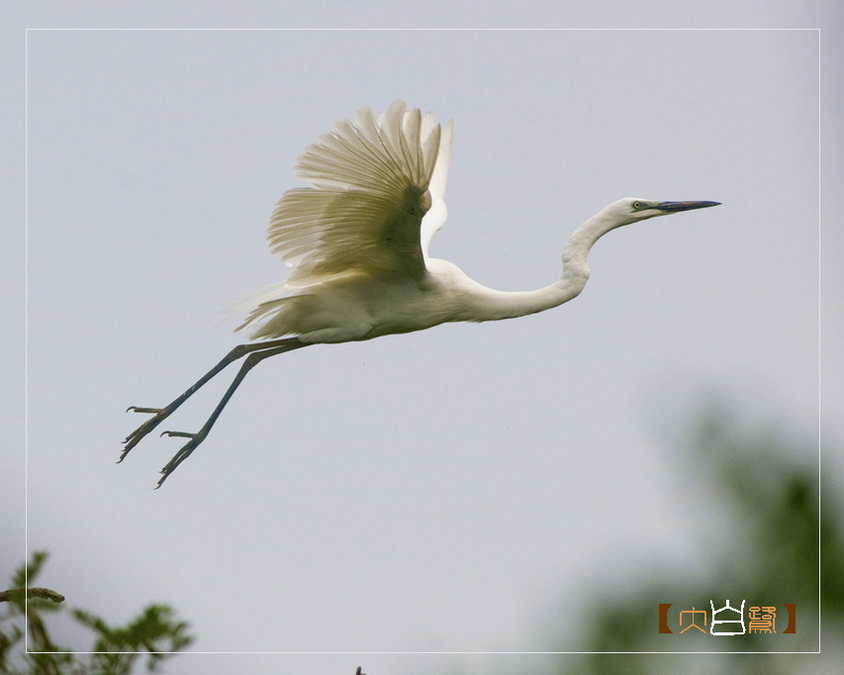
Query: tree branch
(16, 593)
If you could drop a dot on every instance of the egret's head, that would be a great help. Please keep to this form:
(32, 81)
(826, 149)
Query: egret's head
(631, 209)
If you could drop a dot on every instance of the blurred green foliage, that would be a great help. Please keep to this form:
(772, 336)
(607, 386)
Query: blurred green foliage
(154, 633)
(770, 514)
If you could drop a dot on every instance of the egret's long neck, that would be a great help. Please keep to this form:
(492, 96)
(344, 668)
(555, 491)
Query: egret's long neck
(505, 305)
(575, 269)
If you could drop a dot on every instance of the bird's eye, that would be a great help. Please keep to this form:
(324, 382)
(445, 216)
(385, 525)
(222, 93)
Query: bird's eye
(636, 205)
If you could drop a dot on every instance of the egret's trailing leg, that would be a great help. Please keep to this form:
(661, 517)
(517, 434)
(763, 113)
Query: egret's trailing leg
(276, 346)
(195, 439)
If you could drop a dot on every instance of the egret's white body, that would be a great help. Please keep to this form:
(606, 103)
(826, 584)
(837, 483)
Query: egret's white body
(357, 244)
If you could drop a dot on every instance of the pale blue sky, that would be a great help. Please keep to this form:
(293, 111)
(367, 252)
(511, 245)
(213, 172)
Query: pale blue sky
(441, 491)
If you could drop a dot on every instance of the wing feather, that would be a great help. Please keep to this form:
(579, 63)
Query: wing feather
(371, 181)
(436, 216)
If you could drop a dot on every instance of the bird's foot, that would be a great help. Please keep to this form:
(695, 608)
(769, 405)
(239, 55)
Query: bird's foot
(139, 409)
(180, 434)
(184, 451)
(159, 415)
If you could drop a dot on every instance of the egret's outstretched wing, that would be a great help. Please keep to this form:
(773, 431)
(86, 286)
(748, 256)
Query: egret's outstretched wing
(371, 180)
(436, 216)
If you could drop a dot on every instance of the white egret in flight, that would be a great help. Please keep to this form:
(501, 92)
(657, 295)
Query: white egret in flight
(357, 244)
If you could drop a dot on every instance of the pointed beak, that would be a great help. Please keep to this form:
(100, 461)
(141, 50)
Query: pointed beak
(674, 207)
